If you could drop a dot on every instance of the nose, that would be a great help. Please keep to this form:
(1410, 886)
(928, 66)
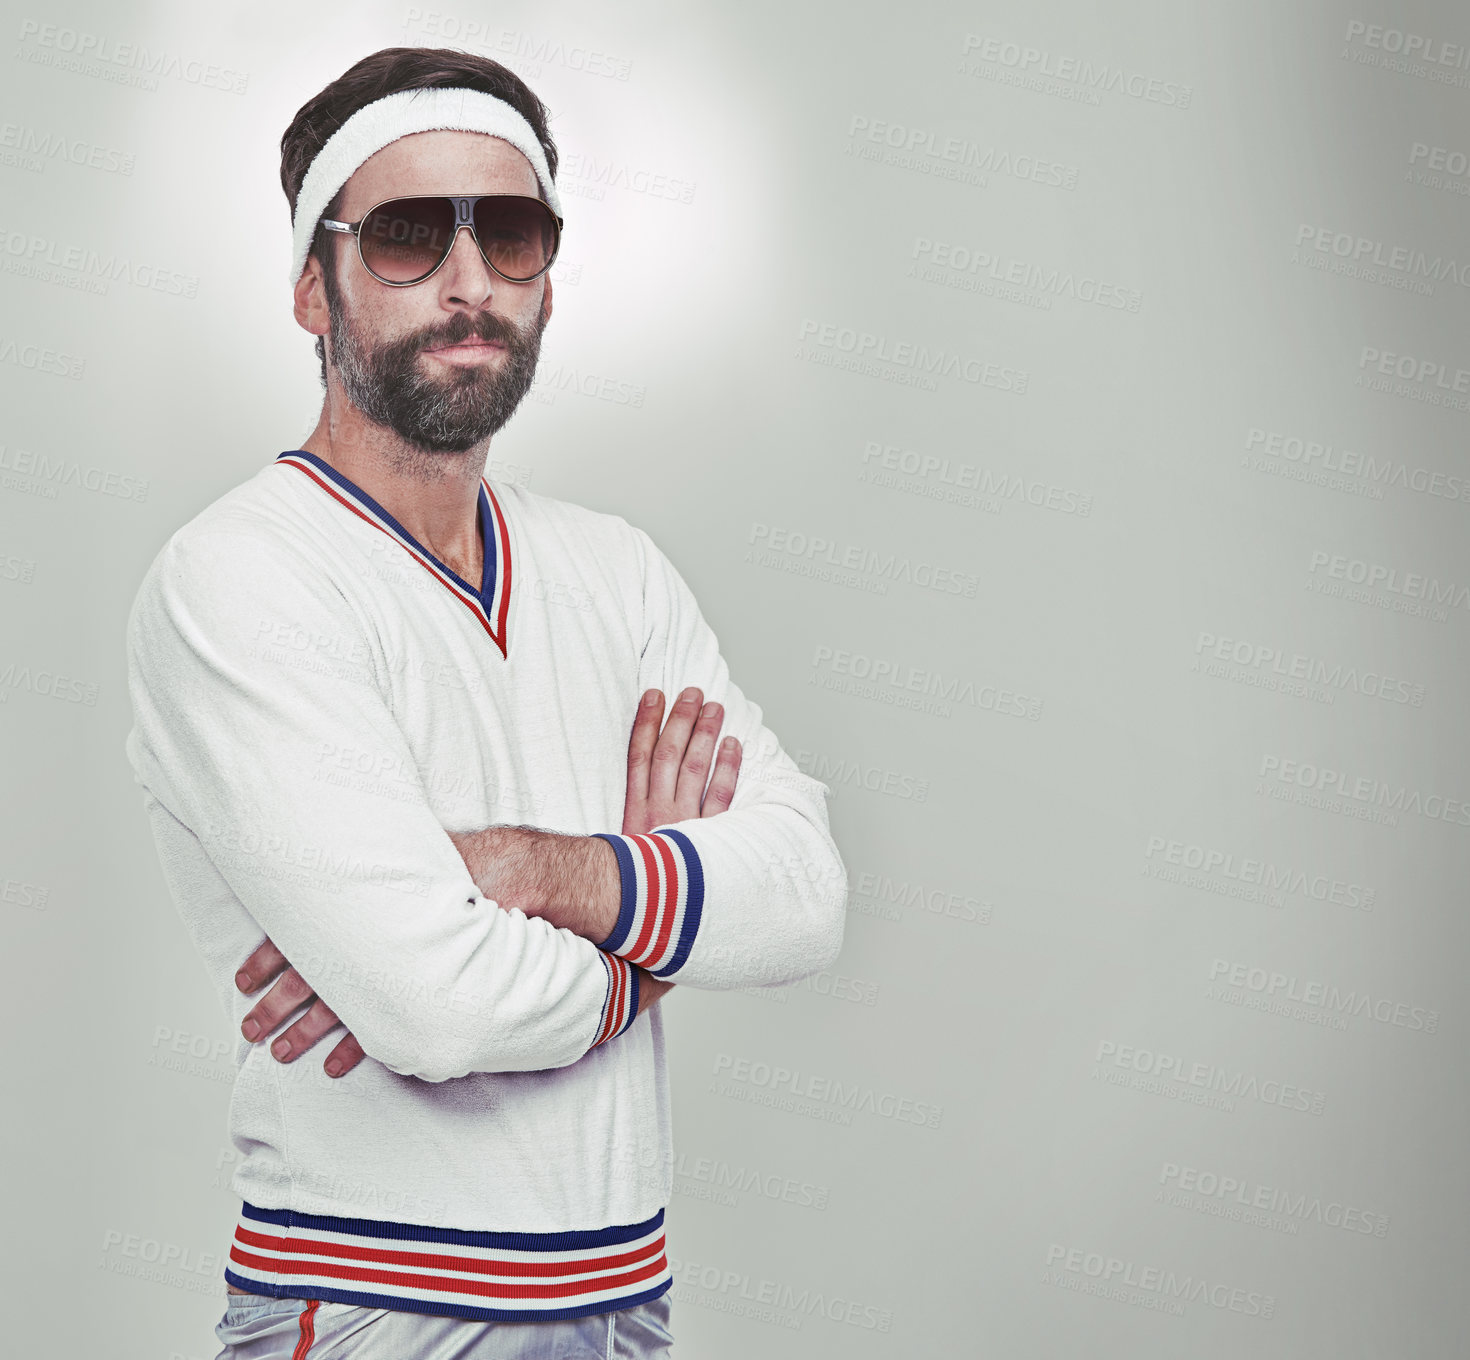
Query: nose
(464, 273)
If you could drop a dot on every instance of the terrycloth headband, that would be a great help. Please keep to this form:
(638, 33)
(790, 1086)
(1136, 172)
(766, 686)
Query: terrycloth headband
(385, 120)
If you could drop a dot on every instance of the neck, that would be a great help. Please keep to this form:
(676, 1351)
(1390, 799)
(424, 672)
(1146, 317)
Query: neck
(433, 495)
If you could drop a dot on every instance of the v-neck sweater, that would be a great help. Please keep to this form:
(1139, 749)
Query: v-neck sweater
(318, 701)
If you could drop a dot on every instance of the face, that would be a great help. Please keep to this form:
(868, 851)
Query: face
(443, 363)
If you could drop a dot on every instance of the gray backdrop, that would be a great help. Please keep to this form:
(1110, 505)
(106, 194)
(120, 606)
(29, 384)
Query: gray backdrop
(1061, 418)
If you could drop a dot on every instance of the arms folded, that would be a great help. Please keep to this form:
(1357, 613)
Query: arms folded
(756, 895)
(245, 668)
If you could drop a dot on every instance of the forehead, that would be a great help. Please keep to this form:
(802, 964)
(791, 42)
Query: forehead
(439, 162)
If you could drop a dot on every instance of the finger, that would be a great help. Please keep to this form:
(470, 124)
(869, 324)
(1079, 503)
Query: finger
(640, 758)
(319, 1020)
(694, 771)
(260, 967)
(668, 755)
(290, 992)
(342, 1059)
(722, 781)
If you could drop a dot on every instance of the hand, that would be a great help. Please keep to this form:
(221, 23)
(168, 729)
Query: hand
(666, 773)
(290, 993)
(666, 783)
(666, 770)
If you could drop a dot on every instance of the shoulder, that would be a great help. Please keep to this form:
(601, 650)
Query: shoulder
(246, 549)
(577, 530)
(606, 549)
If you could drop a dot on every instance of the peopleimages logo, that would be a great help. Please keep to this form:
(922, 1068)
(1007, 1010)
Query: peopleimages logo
(1156, 1068)
(886, 566)
(585, 169)
(941, 478)
(1411, 368)
(40, 358)
(320, 867)
(724, 1178)
(837, 1095)
(67, 689)
(1264, 659)
(102, 54)
(1274, 986)
(891, 678)
(162, 1262)
(19, 893)
(48, 260)
(864, 351)
(766, 1299)
(193, 1055)
(950, 261)
(1373, 471)
(921, 149)
(1440, 158)
(1317, 779)
(1362, 250)
(840, 771)
(1037, 63)
(376, 1201)
(22, 570)
(879, 894)
(1239, 1198)
(1113, 1276)
(1418, 47)
(1438, 167)
(37, 146)
(1413, 377)
(516, 47)
(566, 378)
(49, 470)
(1203, 866)
(1378, 576)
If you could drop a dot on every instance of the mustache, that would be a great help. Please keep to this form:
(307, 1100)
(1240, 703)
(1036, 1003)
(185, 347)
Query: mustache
(462, 326)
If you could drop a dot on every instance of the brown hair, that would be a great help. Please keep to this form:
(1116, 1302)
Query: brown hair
(382, 73)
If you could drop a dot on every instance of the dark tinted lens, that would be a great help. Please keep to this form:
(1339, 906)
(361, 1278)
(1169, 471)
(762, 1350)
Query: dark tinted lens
(518, 235)
(405, 239)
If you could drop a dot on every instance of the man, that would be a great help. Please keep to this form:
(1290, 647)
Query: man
(372, 729)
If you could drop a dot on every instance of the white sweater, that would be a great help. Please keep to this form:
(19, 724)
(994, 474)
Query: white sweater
(317, 701)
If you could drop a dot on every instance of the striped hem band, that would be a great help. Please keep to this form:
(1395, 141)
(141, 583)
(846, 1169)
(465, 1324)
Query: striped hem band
(448, 1272)
(663, 896)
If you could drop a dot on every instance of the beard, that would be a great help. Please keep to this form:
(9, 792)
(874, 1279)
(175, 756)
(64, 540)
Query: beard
(435, 413)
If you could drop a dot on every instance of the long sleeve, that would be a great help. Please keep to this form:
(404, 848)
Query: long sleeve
(756, 895)
(247, 669)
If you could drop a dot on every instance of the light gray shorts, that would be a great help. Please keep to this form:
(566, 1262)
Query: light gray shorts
(258, 1328)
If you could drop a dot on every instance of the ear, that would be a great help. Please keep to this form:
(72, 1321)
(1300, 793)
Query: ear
(546, 299)
(309, 299)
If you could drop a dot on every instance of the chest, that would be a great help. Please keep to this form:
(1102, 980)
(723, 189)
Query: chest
(536, 734)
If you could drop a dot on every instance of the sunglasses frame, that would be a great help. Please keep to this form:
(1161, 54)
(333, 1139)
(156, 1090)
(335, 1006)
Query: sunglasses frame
(464, 216)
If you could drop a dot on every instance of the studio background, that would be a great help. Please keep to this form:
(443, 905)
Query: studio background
(1060, 416)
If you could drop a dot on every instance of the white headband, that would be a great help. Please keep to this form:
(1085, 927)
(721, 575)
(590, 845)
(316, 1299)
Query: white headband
(385, 120)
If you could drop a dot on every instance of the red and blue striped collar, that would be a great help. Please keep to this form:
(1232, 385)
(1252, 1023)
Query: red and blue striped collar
(490, 604)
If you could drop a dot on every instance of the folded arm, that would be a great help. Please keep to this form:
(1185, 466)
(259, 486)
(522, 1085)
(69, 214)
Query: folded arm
(245, 666)
(757, 896)
(571, 881)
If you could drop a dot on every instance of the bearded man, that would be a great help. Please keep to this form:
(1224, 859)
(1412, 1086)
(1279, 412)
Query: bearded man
(393, 774)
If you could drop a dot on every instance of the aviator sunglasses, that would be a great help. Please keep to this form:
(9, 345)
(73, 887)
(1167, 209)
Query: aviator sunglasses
(402, 241)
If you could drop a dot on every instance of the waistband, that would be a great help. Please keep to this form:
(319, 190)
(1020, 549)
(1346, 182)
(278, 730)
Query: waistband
(449, 1272)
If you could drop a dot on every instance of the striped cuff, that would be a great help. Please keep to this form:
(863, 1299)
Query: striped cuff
(663, 895)
(620, 1008)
